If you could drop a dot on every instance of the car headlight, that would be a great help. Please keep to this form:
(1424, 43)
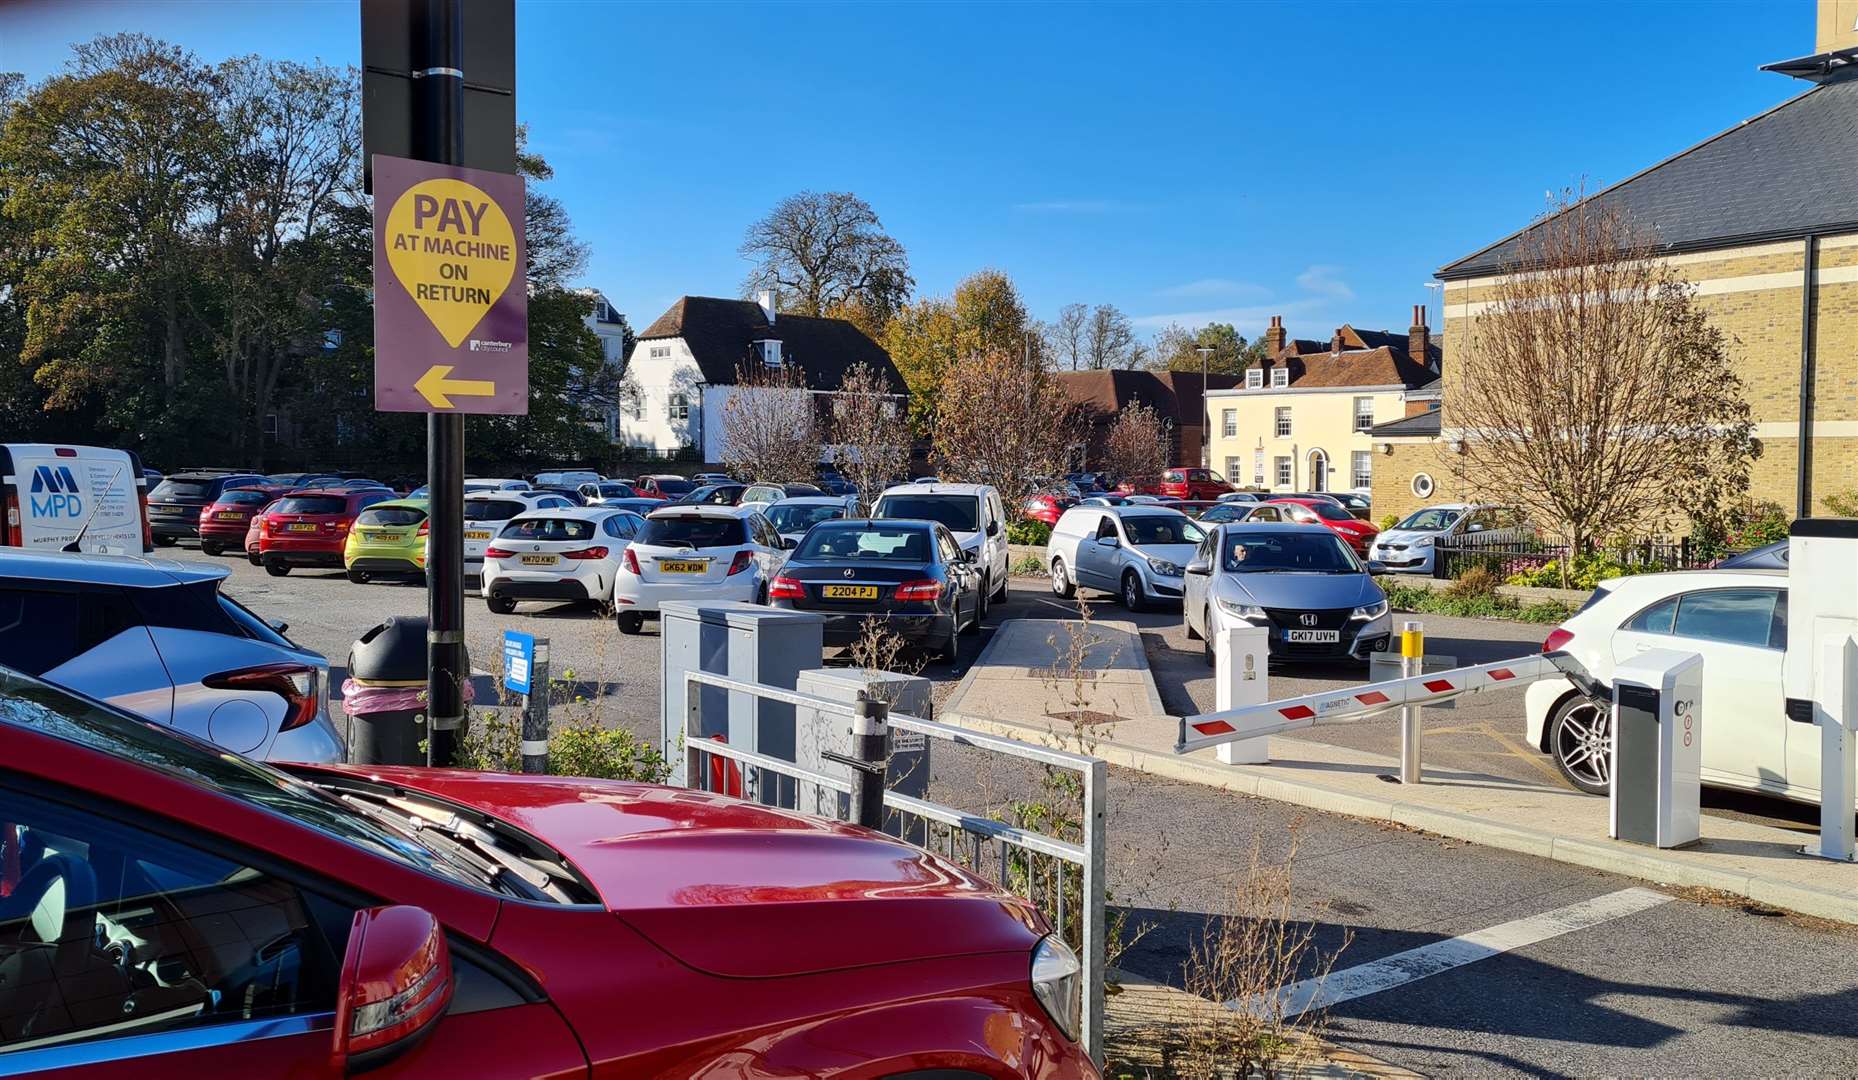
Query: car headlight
(1243, 611)
(1424, 541)
(1058, 983)
(1371, 611)
(1164, 567)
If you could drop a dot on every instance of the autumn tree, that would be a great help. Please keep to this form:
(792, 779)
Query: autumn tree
(925, 339)
(1138, 445)
(870, 441)
(1001, 421)
(1593, 392)
(1084, 338)
(1177, 348)
(769, 429)
(826, 252)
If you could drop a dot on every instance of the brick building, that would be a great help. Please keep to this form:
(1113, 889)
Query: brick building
(1174, 395)
(1763, 218)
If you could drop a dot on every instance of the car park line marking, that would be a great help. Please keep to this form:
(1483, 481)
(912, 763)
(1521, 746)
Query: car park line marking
(1401, 968)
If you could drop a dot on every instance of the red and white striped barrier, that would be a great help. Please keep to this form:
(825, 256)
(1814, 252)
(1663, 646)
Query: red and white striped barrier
(1289, 714)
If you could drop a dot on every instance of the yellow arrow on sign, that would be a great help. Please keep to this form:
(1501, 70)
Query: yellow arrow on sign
(433, 386)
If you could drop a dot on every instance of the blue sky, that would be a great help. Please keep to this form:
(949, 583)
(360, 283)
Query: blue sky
(1183, 162)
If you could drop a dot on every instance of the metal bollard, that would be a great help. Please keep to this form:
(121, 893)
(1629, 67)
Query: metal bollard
(1242, 676)
(871, 749)
(1412, 662)
(535, 714)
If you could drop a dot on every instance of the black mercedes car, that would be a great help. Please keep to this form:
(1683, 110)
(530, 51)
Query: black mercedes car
(909, 576)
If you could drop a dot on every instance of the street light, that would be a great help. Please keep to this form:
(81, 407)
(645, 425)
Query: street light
(1439, 285)
(1206, 411)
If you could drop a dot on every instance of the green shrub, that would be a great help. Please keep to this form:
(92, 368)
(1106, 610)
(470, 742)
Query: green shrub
(1483, 605)
(1028, 531)
(1030, 566)
(493, 742)
(1842, 503)
(1389, 521)
(1475, 581)
(1589, 570)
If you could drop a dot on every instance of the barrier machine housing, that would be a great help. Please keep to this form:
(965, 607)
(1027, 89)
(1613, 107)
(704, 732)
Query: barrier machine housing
(1820, 670)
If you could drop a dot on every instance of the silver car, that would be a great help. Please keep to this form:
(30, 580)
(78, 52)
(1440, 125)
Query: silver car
(1136, 552)
(794, 516)
(1408, 547)
(1301, 582)
(159, 639)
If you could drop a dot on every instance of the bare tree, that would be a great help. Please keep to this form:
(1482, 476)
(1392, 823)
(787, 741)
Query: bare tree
(821, 252)
(1594, 393)
(1001, 421)
(1065, 337)
(769, 430)
(870, 436)
(1110, 340)
(1138, 445)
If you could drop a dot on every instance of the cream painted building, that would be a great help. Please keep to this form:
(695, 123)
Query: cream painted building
(1301, 419)
(1763, 219)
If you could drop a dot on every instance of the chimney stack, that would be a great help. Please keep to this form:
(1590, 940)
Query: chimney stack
(766, 299)
(1274, 338)
(1419, 338)
(1335, 341)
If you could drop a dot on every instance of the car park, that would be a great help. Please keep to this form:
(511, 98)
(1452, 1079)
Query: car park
(973, 512)
(713, 478)
(770, 493)
(1302, 583)
(572, 494)
(713, 553)
(1244, 496)
(565, 478)
(224, 917)
(1136, 552)
(1154, 500)
(175, 504)
(310, 528)
(86, 498)
(1045, 506)
(721, 494)
(159, 638)
(388, 539)
(1222, 513)
(1408, 547)
(225, 521)
(793, 517)
(637, 504)
(1328, 513)
(1190, 483)
(909, 578)
(1106, 499)
(570, 554)
(667, 486)
(1736, 620)
(595, 494)
(484, 514)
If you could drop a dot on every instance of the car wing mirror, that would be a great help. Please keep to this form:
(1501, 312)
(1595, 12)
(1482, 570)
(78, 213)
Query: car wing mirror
(788, 543)
(277, 624)
(1200, 566)
(970, 556)
(395, 985)
(1108, 541)
(1375, 566)
(993, 528)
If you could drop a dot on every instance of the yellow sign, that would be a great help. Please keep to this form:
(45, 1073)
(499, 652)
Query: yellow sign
(454, 250)
(435, 387)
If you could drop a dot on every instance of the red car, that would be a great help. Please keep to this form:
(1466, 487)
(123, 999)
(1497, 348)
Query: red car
(310, 528)
(225, 520)
(1358, 533)
(663, 486)
(254, 533)
(177, 910)
(1047, 507)
(1181, 483)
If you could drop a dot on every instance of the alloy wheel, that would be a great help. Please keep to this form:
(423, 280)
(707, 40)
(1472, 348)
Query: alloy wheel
(1584, 745)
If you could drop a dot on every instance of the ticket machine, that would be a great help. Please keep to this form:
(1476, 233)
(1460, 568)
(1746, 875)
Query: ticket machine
(1820, 671)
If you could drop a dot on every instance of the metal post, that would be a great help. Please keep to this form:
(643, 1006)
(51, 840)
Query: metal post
(535, 713)
(438, 99)
(871, 748)
(1412, 663)
(1835, 711)
(1096, 926)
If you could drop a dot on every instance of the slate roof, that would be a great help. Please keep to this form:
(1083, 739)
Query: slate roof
(721, 334)
(1783, 174)
(1426, 423)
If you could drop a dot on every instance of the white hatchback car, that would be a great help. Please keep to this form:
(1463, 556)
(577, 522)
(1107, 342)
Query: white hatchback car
(1737, 621)
(485, 511)
(571, 554)
(973, 512)
(697, 552)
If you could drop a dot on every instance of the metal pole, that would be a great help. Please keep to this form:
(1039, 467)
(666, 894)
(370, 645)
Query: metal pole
(871, 748)
(438, 98)
(1412, 663)
(535, 714)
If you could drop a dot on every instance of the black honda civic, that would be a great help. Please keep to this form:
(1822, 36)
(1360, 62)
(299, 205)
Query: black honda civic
(911, 577)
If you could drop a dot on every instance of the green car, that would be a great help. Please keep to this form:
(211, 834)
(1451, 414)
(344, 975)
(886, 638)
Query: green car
(388, 539)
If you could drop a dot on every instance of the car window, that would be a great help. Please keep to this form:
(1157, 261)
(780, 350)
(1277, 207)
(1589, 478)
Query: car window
(205, 939)
(492, 509)
(311, 504)
(41, 629)
(887, 543)
(611, 527)
(1302, 515)
(548, 529)
(180, 489)
(1735, 616)
(951, 551)
(1429, 520)
(1249, 553)
(695, 531)
(391, 516)
(961, 513)
(1265, 513)
(1329, 511)
(1656, 619)
(1161, 529)
(242, 497)
(1106, 527)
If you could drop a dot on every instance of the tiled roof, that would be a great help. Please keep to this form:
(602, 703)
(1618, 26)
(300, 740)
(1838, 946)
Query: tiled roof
(1381, 366)
(721, 334)
(1783, 174)
(1426, 423)
(1109, 390)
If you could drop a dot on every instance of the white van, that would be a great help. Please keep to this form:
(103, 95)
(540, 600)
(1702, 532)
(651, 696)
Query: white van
(972, 512)
(74, 498)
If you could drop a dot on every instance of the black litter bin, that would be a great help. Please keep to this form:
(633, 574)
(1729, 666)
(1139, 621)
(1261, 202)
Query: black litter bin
(385, 695)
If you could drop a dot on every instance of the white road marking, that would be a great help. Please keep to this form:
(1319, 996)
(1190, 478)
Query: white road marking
(1428, 960)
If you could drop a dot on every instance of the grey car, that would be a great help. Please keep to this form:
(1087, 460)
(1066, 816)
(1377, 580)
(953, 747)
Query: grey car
(792, 517)
(159, 639)
(1136, 552)
(1301, 582)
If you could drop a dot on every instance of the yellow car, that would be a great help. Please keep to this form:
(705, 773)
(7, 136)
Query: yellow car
(388, 539)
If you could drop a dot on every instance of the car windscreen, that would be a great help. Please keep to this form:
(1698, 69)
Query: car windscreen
(1145, 529)
(180, 489)
(961, 513)
(1431, 519)
(676, 487)
(886, 543)
(1253, 553)
(244, 498)
(310, 504)
(391, 515)
(800, 518)
(548, 529)
(1329, 511)
(615, 491)
(694, 531)
(492, 509)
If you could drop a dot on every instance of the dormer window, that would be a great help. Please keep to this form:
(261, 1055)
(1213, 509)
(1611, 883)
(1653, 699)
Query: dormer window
(1280, 376)
(770, 352)
(1254, 378)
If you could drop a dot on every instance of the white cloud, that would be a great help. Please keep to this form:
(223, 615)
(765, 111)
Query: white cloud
(1317, 306)
(1322, 279)
(1226, 287)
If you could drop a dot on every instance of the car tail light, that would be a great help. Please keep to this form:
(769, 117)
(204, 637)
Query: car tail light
(631, 563)
(297, 684)
(425, 528)
(918, 590)
(497, 553)
(585, 553)
(141, 498)
(786, 588)
(64, 451)
(742, 561)
(12, 522)
(1557, 639)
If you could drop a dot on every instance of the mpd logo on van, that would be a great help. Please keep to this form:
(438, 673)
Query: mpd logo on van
(60, 491)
